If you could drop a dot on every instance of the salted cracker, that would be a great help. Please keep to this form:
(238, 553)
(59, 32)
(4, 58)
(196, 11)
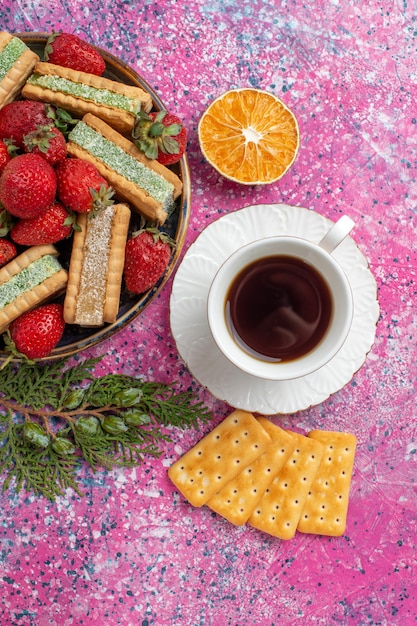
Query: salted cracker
(325, 510)
(96, 267)
(280, 508)
(215, 460)
(239, 497)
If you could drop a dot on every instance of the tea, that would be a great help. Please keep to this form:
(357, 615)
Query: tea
(278, 308)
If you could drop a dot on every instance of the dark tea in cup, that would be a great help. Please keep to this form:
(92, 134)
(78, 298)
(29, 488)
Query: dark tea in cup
(278, 308)
(281, 307)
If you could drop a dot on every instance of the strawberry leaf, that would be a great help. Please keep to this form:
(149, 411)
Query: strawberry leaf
(169, 145)
(172, 129)
(150, 149)
(101, 199)
(156, 129)
(48, 46)
(62, 119)
(6, 222)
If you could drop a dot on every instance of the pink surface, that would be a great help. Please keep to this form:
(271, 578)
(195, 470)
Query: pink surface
(132, 551)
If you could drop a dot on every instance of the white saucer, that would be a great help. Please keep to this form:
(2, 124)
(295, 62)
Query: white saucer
(190, 328)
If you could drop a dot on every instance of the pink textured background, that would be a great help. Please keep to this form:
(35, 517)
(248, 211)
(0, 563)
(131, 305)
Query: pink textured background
(132, 551)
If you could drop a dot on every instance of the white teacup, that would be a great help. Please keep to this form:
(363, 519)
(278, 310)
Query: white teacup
(281, 307)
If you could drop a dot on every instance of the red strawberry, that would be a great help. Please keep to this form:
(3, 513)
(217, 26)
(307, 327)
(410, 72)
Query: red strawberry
(160, 136)
(47, 141)
(72, 51)
(146, 258)
(20, 117)
(52, 226)
(27, 186)
(5, 154)
(37, 332)
(7, 251)
(81, 187)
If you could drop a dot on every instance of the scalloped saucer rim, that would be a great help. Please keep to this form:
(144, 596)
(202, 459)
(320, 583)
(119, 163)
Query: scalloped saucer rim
(189, 324)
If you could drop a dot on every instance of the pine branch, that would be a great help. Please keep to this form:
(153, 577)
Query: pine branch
(54, 418)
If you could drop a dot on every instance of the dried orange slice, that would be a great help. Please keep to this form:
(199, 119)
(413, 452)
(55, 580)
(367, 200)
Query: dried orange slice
(249, 136)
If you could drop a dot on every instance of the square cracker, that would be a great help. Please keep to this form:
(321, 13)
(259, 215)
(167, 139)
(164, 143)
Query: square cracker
(238, 498)
(232, 445)
(325, 510)
(280, 508)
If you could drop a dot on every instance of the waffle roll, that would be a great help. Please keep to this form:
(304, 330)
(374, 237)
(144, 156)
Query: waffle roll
(149, 187)
(28, 280)
(80, 93)
(96, 267)
(16, 64)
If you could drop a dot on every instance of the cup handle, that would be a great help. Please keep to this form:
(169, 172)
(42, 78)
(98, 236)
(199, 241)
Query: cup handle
(337, 233)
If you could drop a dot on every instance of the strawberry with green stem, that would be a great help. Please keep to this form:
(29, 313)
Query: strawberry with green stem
(20, 117)
(147, 255)
(50, 227)
(28, 186)
(48, 142)
(160, 135)
(81, 187)
(36, 333)
(69, 50)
